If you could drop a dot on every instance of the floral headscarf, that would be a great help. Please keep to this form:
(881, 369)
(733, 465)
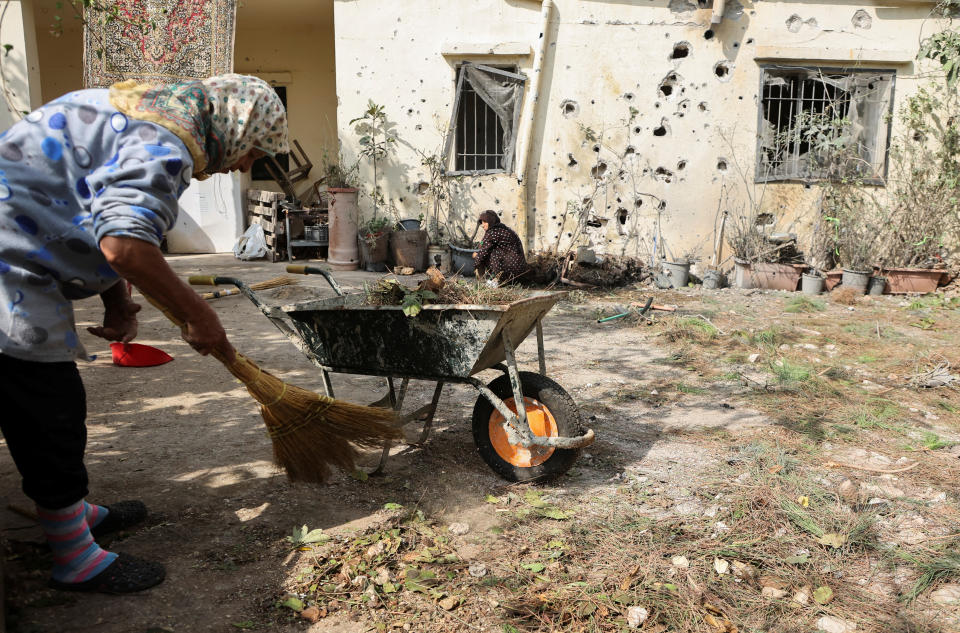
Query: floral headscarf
(219, 119)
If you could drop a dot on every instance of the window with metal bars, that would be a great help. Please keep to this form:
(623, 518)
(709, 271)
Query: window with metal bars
(486, 112)
(823, 123)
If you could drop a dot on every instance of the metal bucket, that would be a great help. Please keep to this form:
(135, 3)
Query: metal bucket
(462, 260)
(673, 275)
(812, 284)
(856, 279)
(877, 286)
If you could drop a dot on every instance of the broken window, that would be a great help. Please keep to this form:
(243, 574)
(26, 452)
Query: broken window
(823, 124)
(486, 111)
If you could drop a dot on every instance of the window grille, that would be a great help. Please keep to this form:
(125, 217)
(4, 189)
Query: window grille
(823, 123)
(482, 132)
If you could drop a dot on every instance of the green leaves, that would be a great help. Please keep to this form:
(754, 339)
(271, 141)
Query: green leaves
(293, 603)
(303, 536)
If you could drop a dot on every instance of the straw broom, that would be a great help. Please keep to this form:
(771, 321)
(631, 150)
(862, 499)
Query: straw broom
(310, 432)
(260, 285)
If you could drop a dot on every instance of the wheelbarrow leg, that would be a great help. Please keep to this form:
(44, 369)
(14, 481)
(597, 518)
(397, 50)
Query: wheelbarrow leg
(540, 355)
(327, 385)
(428, 424)
(397, 400)
(508, 352)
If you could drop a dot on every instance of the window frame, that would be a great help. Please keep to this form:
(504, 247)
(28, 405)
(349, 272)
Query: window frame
(449, 150)
(879, 180)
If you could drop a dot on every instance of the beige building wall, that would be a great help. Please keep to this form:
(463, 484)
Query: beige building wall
(20, 81)
(593, 140)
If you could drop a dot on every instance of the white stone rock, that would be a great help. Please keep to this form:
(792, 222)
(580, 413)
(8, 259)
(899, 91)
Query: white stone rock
(680, 561)
(721, 566)
(459, 529)
(477, 570)
(802, 596)
(831, 624)
(636, 616)
(947, 594)
(753, 358)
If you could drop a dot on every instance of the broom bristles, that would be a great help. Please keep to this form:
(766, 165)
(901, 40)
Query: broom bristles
(311, 432)
(273, 283)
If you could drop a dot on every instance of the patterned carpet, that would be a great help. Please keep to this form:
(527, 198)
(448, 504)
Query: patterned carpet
(159, 41)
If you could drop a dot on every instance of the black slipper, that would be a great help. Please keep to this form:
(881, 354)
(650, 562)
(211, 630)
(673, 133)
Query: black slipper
(126, 574)
(121, 515)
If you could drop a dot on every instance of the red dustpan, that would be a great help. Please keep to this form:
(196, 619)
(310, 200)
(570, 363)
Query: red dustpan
(137, 355)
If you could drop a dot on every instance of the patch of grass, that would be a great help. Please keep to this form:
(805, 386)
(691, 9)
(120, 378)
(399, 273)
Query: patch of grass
(867, 358)
(932, 442)
(946, 406)
(789, 373)
(878, 414)
(772, 336)
(685, 388)
(688, 328)
(804, 304)
(934, 567)
(929, 301)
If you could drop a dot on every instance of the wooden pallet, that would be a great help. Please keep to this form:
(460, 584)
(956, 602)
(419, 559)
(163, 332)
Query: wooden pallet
(263, 208)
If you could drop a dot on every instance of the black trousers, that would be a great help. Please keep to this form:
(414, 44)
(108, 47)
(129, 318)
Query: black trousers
(43, 412)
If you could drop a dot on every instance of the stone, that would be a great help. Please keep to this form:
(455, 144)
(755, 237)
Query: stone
(477, 570)
(680, 561)
(459, 529)
(753, 358)
(312, 614)
(802, 595)
(636, 616)
(946, 594)
(830, 624)
(772, 593)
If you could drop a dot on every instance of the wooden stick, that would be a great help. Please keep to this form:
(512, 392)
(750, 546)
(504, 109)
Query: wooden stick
(872, 470)
(575, 284)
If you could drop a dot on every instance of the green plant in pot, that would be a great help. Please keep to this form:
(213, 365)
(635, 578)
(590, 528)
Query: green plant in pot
(374, 239)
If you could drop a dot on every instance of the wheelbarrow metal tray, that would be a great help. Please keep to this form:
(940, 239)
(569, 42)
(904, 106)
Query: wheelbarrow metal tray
(442, 341)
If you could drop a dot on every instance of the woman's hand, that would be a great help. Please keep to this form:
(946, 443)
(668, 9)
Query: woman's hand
(119, 323)
(205, 334)
(475, 255)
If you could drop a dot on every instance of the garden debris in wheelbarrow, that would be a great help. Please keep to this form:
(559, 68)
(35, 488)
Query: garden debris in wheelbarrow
(437, 290)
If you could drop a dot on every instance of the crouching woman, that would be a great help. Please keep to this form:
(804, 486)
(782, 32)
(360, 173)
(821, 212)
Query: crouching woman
(501, 256)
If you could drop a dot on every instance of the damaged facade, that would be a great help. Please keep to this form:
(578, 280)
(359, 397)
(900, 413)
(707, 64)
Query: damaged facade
(638, 122)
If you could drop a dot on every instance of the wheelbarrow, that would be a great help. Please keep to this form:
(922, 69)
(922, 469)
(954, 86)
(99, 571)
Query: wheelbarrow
(443, 344)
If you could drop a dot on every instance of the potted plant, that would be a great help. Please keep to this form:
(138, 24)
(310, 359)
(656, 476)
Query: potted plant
(373, 239)
(812, 282)
(757, 253)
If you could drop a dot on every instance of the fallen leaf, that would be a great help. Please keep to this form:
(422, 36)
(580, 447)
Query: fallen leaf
(804, 501)
(775, 469)
(680, 561)
(534, 567)
(553, 513)
(833, 539)
(292, 603)
(799, 559)
(823, 595)
(492, 499)
(311, 613)
(392, 506)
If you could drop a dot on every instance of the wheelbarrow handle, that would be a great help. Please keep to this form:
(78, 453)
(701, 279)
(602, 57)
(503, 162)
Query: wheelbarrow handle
(302, 269)
(208, 280)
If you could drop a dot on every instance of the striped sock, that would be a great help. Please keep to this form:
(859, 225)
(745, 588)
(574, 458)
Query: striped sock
(76, 556)
(95, 514)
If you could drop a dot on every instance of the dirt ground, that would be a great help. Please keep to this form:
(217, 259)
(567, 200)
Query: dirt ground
(185, 438)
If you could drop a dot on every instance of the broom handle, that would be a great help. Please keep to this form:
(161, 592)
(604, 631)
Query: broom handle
(180, 324)
(301, 269)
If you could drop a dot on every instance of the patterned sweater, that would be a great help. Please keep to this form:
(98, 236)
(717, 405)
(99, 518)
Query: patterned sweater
(501, 254)
(71, 173)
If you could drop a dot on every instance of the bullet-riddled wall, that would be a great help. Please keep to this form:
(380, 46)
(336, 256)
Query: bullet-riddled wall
(647, 119)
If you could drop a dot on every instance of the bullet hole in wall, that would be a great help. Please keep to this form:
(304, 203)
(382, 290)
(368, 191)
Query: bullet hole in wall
(702, 106)
(558, 179)
(764, 219)
(708, 34)
(721, 164)
(622, 215)
(598, 170)
(749, 41)
(637, 130)
(628, 96)
(630, 150)
(594, 223)
(663, 129)
(662, 205)
(596, 148)
(423, 187)
(569, 108)
(681, 165)
(638, 202)
(573, 161)
(722, 71)
(680, 50)
(664, 174)
(668, 85)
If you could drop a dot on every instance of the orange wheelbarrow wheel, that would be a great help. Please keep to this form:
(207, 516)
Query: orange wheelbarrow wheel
(551, 412)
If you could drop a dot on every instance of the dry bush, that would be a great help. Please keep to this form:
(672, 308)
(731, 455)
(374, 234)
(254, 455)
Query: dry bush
(846, 296)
